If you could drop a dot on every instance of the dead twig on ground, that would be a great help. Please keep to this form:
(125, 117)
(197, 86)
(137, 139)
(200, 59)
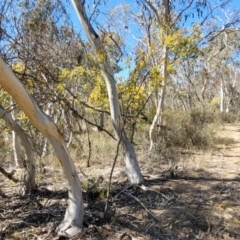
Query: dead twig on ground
(147, 210)
(144, 188)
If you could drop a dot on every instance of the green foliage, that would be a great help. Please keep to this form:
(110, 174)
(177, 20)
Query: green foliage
(131, 96)
(19, 69)
(229, 117)
(99, 96)
(80, 78)
(95, 188)
(182, 44)
(4, 96)
(188, 130)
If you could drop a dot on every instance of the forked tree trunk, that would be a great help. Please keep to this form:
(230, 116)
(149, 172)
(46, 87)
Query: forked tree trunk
(27, 179)
(73, 220)
(158, 118)
(132, 167)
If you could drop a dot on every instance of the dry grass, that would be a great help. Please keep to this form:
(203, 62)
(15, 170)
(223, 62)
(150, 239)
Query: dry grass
(188, 194)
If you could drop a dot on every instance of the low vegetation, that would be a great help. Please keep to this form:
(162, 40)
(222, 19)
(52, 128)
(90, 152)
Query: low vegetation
(183, 195)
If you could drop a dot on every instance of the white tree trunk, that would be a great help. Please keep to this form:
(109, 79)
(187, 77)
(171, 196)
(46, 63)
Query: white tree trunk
(27, 180)
(18, 158)
(221, 96)
(227, 105)
(158, 118)
(44, 148)
(132, 167)
(72, 223)
(44, 144)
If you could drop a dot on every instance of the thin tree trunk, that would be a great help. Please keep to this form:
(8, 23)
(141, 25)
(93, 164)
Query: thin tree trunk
(101, 124)
(227, 105)
(221, 96)
(44, 143)
(44, 148)
(27, 180)
(73, 220)
(18, 158)
(206, 81)
(132, 167)
(158, 118)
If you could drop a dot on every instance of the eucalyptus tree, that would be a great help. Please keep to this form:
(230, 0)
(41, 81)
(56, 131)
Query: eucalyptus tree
(73, 220)
(226, 67)
(232, 88)
(214, 72)
(181, 43)
(164, 42)
(37, 50)
(209, 78)
(132, 167)
(27, 175)
(164, 23)
(39, 42)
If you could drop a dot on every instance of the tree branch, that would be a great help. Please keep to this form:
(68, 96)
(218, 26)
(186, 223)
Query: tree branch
(9, 175)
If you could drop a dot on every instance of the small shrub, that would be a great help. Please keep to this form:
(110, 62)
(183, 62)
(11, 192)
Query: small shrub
(188, 130)
(229, 117)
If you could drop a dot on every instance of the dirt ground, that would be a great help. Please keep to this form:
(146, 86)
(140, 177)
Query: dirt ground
(186, 195)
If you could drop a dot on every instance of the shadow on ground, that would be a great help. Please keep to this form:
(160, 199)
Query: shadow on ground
(163, 208)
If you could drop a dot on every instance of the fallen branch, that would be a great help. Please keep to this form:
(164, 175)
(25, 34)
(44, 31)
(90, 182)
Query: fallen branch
(144, 188)
(9, 175)
(147, 210)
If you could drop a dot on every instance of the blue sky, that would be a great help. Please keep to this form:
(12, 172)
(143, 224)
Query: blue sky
(234, 5)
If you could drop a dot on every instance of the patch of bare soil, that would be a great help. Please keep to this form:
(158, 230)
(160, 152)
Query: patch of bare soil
(186, 195)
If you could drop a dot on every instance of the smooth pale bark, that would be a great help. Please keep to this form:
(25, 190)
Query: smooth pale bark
(44, 148)
(158, 118)
(18, 158)
(27, 180)
(73, 220)
(227, 105)
(233, 76)
(206, 82)
(44, 144)
(221, 95)
(132, 167)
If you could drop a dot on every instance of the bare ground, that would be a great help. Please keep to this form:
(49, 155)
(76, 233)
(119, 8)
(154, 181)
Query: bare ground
(186, 195)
